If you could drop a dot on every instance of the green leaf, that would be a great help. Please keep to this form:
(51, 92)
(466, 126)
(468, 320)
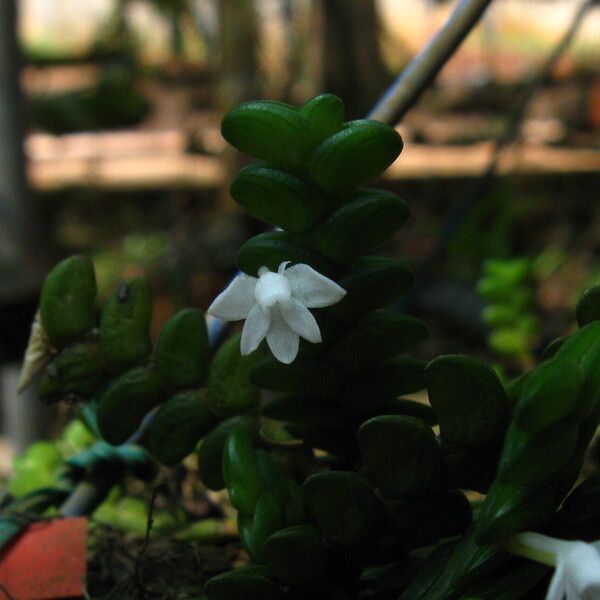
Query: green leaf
(125, 324)
(296, 554)
(344, 507)
(126, 401)
(376, 388)
(67, 300)
(241, 471)
(371, 218)
(307, 411)
(76, 372)
(471, 467)
(428, 518)
(362, 150)
(468, 399)
(401, 456)
(246, 583)
(549, 395)
(588, 307)
(210, 453)
(374, 282)
(377, 338)
(181, 354)
(178, 425)
(279, 198)
(271, 249)
(511, 508)
(272, 131)
(229, 388)
(325, 115)
(536, 458)
(306, 375)
(268, 517)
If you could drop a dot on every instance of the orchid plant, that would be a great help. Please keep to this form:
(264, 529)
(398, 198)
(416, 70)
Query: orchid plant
(344, 486)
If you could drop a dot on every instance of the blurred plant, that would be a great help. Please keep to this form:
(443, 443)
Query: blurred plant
(138, 253)
(506, 286)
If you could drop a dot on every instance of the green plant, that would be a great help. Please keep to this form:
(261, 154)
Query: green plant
(343, 487)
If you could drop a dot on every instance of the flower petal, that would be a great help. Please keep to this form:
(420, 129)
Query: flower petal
(236, 300)
(311, 288)
(300, 319)
(557, 588)
(282, 340)
(255, 329)
(582, 570)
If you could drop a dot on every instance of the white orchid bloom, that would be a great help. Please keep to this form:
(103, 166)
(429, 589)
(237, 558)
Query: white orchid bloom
(577, 564)
(275, 306)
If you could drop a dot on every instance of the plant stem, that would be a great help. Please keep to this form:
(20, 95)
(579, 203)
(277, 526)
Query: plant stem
(423, 68)
(535, 546)
(87, 495)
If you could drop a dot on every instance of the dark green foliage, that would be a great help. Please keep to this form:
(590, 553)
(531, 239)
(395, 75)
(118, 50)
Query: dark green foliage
(510, 508)
(278, 198)
(534, 459)
(325, 115)
(210, 463)
(126, 401)
(181, 354)
(377, 338)
(390, 278)
(377, 387)
(181, 421)
(247, 583)
(432, 517)
(67, 300)
(77, 372)
(241, 471)
(306, 375)
(229, 389)
(360, 151)
(306, 411)
(539, 465)
(369, 219)
(125, 324)
(272, 131)
(588, 307)
(268, 517)
(549, 395)
(401, 456)
(344, 507)
(296, 554)
(468, 399)
(273, 248)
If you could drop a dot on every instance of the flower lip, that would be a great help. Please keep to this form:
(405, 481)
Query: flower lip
(272, 288)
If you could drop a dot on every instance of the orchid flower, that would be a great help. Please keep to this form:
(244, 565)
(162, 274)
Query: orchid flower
(577, 564)
(275, 306)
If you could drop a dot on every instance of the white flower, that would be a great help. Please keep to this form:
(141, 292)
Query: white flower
(577, 573)
(275, 306)
(577, 564)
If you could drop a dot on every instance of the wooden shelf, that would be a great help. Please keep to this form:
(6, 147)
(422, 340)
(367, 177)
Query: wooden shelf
(140, 160)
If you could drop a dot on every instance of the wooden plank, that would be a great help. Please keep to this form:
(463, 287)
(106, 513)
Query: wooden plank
(419, 161)
(141, 160)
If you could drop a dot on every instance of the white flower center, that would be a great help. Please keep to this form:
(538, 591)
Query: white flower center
(272, 288)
